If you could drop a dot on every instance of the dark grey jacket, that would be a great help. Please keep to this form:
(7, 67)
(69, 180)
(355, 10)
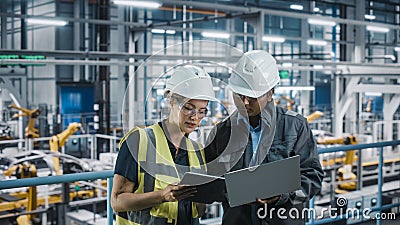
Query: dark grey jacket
(292, 137)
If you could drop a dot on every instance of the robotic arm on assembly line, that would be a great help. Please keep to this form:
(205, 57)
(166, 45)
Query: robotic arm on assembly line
(32, 114)
(59, 140)
(315, 115)
(368, 108)
(344, 172)
(26, 170)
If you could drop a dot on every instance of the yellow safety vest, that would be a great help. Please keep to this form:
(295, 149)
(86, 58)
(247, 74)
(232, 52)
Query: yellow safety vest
(153, 150)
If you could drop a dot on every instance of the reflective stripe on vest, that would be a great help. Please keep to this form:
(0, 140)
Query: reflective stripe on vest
(154, 157)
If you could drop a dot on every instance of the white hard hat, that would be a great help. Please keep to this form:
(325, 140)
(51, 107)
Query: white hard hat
(191, 82)
(254, 74)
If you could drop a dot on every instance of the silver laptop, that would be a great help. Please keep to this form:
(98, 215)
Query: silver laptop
(265, 181)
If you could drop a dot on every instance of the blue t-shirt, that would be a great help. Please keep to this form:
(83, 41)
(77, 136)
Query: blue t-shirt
(255, 134)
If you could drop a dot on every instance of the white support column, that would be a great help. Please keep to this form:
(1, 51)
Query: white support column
(343, 103)
(350, 124)
(347, 97)
(190, 34)
(258, 24)
(359, 35)
(359, 56)
(139, 77)
(230, 24)
(305, 75)
(184, 32)
(360, 106)
(245, 39)
(337, 122)
(260, 30)
(390, 106)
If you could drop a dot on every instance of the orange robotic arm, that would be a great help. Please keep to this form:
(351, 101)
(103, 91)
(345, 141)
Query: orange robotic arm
(30, 130)
(59, 140)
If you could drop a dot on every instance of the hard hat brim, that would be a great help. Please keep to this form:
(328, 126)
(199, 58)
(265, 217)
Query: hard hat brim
(201, 97)
(195, 97)
(246, 91)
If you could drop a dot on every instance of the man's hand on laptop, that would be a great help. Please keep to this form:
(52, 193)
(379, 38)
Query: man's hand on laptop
(271, 200)
(174, 192)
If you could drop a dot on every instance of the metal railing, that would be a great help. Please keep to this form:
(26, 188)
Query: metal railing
(379, 207)
(109, 174)
(28, 143)
(27, 182)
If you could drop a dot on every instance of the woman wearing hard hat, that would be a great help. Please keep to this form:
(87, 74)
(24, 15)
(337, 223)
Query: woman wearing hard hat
(151, 161)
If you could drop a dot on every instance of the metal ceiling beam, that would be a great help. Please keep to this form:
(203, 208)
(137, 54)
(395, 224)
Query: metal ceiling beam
(365, 69)
(218, 7)
(380, 88)
(199, 30)
(112, 55)
(340, 68)
(225, 8)
(200, 59)
(357, 68)
(341, 63)
(202, 19)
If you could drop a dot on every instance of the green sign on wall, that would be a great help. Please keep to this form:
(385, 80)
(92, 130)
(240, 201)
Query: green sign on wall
(284, 74)
(27, 57)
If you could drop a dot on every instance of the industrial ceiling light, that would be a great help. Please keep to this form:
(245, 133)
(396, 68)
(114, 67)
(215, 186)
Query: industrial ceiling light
(369, 17)
(377, 94)
(157, 31)
(316, 9)
(215, 35)
(378, 29)
(321, 22)
(397, 49)
(287, 64)
(316, 42)
(273, 39)
(139, 4)
(162, 31)
(170, 32)
(318, 67)
(296, 7)
(51, 22)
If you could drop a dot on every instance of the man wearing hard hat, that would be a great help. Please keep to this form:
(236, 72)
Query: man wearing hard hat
(269, 133)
